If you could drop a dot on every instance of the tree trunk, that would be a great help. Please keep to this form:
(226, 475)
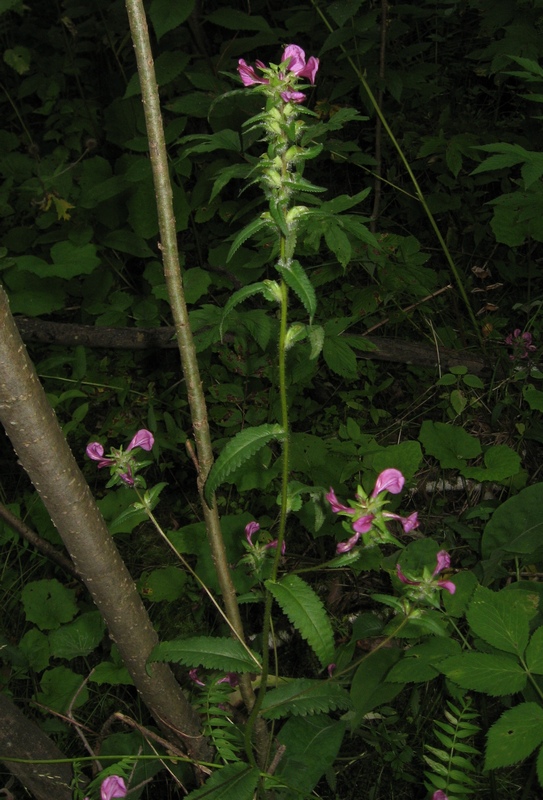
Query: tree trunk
(43, 452)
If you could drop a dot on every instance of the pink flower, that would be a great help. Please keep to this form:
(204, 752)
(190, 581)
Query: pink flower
(390, 480)
(297, 63)
(335, 505)
(443, 562)
(408, 523)
(521, 342)
(250, 529)
(113, 786)
(143, 439)
(248, 74)
(363, 524)
(232, 678)
(193, 675)
(96, 452)
(346, 547)
(439, 795)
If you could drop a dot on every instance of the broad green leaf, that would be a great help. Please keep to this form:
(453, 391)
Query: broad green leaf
(238, 450)
(500, 619)
(305, 610)
(514, 736)
(418, 663)
(211, 652)
(516, 526)
(166, 15)
(304, 696)
(501, 462)
(48, 604)
(369, 688)
(339, 357)
(234, 782)
(312, 744)
(295, 277)
(495, 675)
(450, 444)
(241, 295)
(236, 20)
(338, 242)
(78, 638)
(61, 688)
(165, 583)
(111, 674)
(35, 646)
(534, 652)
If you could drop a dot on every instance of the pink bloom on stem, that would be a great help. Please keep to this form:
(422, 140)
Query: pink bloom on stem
(248, 74)
(291, 96)
(96, 452)
(250, 529)
(346, 547)
(390, 480)
(113, 786)
(335, 505)
(193, 675)
(363, 524)
(408, 523)
(232, 678)
(443, 561)
(297, 63)
(439, 795)
(143, 439)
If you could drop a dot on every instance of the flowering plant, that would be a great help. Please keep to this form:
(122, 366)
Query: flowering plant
(112, 787)
(123, 464)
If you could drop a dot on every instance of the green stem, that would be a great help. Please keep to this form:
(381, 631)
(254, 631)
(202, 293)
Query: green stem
(418, 190)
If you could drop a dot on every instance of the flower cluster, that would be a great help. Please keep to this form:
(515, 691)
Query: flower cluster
(521, 344)
(231, 678)
(366, 512)
(257, 551)
(282, 80)
(429, 583)
(112, 786)
(122, 464)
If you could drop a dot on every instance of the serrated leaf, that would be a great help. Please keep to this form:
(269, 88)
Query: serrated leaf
(234, 782)
(305, 610)
(499, 619)
(514, 736)
(339, 357)
(295, 277)
(304, 696)
(495, 675)
(250, 229)
(238, 450)
(212, 652)
(241, 295)
(534, 652)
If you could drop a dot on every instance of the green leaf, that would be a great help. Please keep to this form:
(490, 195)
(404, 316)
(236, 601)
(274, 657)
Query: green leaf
(166, 15)
(295, 277)
(165, 583)
(514, 736)
(495, 675)
(450, 444)
(61, 688)
(238, 450)
(312, 744)
(500, 619)
(339, 357)
(369, 687)
(78, 638)
(305, 610)
(534, 652)
(234, 782)
(516, 526)
(48, 603)
(304, 696)
(212, 652)
(501, 462)
(418, 663)
(250, 229)
(315, 334)
(241, 295)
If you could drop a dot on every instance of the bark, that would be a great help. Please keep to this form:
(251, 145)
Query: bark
(22, 738)
(42, 450)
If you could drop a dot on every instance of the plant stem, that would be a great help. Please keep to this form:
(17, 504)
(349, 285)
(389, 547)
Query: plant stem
(172, 274)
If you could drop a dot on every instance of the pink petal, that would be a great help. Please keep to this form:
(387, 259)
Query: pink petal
(310, 69)
(250, 529)
(113, 786)
(390, 480)
(296, 58)
(439, 795)
(96, 452)
(248, 74)
(448, 585)
(346, 547)
(335, 505)
(143, 439)
(403, 579)
(363, 524)
(193, 675)
(292, 97)
(410, 523)
(443, 561)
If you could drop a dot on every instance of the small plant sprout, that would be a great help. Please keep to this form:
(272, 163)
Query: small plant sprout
(123, 464)
(367, 513)
(427, 586)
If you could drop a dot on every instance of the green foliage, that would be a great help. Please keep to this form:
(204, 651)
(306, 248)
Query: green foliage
(304, 696)
(236, 781)
(305, 610)
(452, 763)
(214, 653)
